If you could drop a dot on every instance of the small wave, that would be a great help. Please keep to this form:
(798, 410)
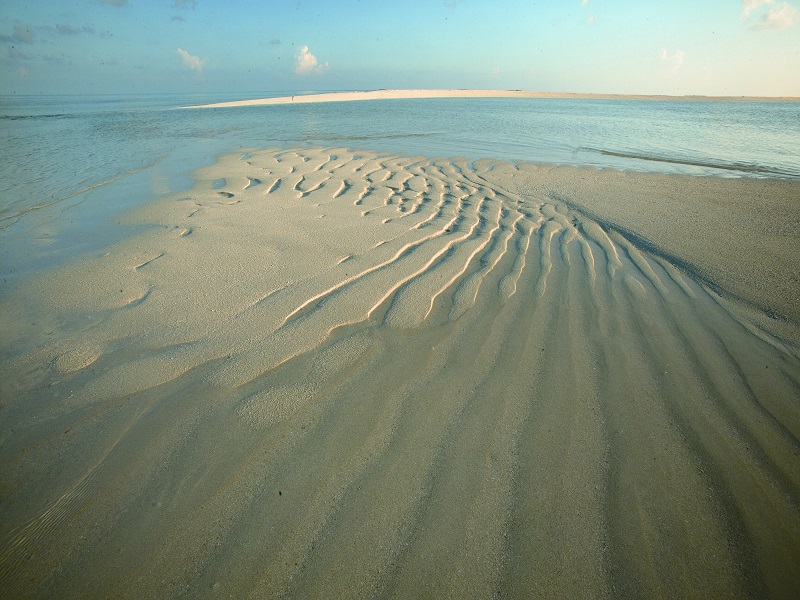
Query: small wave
(19, 213)
(751, 168)
(369, 137)
(21, 117)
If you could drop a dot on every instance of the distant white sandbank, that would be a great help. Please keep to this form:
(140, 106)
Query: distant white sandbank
(415, 94)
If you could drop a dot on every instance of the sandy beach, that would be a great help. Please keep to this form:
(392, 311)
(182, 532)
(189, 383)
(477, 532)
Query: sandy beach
(418, 94)
(334, 373)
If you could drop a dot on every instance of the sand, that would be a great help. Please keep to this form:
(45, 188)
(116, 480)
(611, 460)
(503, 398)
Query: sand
(413, 94)
(328, 373)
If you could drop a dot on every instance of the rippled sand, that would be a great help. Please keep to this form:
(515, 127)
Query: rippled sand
(332, 374)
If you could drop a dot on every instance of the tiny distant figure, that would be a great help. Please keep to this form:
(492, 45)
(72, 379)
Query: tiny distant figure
(292, 98)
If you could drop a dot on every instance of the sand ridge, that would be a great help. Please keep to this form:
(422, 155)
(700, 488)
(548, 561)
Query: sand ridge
(343, 373)
(448, 93)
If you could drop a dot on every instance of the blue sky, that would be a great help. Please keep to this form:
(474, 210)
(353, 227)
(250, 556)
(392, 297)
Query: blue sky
(713, 47)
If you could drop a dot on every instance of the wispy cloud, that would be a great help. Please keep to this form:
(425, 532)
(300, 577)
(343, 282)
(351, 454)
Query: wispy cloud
(589, 18)
(674, 61)
(185, 3)
(70, 30)
(274, 42)
(21, 35)
(114, 2)
(783, 16)
(748, 6)
(307, 64)
(17, 54)
(195, 63)
(769, 14)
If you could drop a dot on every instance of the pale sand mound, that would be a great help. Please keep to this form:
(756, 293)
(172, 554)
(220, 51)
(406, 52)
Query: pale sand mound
(332, 374)
(439, 93)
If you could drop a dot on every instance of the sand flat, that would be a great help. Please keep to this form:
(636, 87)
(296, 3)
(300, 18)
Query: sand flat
(326, 372)
(408, 94)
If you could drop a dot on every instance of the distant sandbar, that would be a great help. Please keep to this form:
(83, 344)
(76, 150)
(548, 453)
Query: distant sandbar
(416, 94)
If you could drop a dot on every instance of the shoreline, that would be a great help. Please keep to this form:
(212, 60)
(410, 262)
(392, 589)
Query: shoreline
(458, 93)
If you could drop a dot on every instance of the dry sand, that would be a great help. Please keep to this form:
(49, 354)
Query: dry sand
(409, 94)
(344, 374)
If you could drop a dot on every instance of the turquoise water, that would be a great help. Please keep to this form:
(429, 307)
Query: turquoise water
(73, 164)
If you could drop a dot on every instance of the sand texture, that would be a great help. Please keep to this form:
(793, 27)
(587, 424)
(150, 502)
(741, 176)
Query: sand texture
(415, 94)
(326, 373)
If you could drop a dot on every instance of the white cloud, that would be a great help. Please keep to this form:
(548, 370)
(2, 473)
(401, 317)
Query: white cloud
(307, 64)
(748, 6)
(769, 14)
(782, 16)
(589, 18)
(195, 63)
(675, 61)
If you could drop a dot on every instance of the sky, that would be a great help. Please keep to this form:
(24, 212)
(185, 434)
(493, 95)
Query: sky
(675, 47)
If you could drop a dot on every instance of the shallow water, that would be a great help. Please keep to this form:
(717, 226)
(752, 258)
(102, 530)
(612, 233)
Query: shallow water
(73, 164)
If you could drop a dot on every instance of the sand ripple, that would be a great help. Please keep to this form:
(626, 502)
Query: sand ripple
(376, 375)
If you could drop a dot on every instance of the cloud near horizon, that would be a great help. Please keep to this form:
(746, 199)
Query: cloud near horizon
(675, 62)
(195, 63)
(770, 14)
(307, 64)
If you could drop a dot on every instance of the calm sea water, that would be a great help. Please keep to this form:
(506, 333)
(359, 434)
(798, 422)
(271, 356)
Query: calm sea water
(71, 165)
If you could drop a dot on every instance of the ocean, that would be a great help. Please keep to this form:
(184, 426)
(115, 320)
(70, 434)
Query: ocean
(72, 165)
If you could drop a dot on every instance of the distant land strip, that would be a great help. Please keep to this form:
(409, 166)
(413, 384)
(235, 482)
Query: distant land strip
(415, 94)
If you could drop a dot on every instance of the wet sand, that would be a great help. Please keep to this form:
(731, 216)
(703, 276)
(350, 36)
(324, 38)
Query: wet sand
(326, 373)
